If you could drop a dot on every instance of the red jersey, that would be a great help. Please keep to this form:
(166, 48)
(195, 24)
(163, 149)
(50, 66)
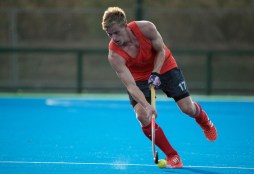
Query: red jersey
(142, 65)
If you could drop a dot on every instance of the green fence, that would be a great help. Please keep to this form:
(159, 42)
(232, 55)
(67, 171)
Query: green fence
(81, 54)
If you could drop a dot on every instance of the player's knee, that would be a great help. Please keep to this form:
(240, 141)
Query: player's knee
(141, 115)
(142, 118)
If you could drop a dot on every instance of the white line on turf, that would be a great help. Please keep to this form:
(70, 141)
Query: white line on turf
(119, 164)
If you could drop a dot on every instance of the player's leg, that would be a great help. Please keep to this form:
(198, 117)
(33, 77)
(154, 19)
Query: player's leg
(161, 141)
(173, 159)
(195, 110)
(173, 84)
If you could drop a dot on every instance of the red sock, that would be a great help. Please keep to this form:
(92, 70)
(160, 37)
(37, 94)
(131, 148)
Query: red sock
(160, 139)
(202, 118)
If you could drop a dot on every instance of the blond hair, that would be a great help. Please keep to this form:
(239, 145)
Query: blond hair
(113, 15)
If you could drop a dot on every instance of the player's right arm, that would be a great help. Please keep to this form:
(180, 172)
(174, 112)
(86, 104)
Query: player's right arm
(118, 64)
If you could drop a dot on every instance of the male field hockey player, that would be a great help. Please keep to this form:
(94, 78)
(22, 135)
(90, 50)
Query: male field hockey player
(140, 58)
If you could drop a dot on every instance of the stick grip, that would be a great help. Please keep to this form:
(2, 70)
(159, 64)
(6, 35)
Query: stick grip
(153, 96)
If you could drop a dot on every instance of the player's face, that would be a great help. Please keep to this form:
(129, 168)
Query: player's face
(117, 33)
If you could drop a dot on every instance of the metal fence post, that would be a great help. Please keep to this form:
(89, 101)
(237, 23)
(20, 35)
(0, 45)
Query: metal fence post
(79, 72)
(209, 73)
(14, 39)
(139, 10)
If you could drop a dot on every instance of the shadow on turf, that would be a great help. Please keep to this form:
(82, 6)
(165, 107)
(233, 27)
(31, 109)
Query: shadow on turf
(190, 170)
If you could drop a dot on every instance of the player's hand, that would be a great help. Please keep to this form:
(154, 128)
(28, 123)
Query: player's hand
(154, 79)
(151, 111)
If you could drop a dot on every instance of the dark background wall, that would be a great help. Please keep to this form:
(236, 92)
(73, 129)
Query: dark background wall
(184, 24)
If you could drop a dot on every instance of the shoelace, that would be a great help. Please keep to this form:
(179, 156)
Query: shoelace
(176, 160)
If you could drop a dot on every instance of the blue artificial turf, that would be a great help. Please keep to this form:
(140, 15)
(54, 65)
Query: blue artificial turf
(75, 135)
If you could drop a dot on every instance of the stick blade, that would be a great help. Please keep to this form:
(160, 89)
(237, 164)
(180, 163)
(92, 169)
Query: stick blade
(156, 157)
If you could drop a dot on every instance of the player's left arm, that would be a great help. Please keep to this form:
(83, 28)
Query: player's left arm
(150, 31)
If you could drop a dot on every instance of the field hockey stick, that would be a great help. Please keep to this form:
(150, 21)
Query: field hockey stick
(155, 153)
